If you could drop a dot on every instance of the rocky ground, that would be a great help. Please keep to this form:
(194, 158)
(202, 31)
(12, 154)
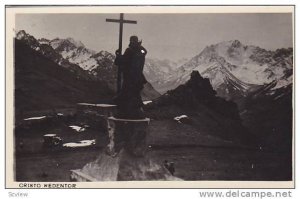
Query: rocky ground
(197, 155)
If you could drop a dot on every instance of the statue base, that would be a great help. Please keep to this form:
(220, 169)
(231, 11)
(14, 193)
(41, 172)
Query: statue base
(123, 167)
(125, 158)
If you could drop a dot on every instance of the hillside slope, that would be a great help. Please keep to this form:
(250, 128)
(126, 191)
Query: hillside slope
(40, 83)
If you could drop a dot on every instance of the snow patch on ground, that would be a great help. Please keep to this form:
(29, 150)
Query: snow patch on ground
(77, 128)
(147, 102)
(97, 105)
(82, 143)
(35, 118)
(178, 118)
(49, 135)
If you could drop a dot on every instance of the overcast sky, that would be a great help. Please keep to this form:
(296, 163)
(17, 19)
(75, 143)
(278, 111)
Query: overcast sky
(166, 36)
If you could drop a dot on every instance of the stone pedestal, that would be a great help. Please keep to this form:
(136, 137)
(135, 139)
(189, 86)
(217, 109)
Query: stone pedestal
(127, 134)
(125, 157)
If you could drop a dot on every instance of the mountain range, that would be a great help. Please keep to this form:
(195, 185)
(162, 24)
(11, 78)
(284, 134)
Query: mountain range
(235, 69)
(83, 62)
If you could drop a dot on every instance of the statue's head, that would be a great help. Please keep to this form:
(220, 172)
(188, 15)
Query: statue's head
(134, 41)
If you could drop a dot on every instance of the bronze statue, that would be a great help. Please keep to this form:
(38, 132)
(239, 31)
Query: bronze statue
(131, 64)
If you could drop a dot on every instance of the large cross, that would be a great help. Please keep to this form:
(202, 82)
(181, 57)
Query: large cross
(121, 21)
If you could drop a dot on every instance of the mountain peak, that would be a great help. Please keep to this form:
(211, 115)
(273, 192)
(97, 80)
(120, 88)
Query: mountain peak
(21, 35)
(75, 42)
(103, 54)
(44, 41)
(222, 48)
(28, 39)
(69, 43)
(235, 43)
(229, 44)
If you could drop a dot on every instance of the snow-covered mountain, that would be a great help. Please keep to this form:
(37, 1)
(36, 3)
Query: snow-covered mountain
(75, 52)
(251, 64)
(236, 68)
(158, 70)
(42, 46)
(73, 55)
(98, 64)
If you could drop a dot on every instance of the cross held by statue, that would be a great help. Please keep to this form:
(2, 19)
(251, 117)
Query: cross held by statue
(121, 21)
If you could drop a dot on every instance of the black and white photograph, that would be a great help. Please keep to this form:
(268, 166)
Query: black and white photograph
(157, 96)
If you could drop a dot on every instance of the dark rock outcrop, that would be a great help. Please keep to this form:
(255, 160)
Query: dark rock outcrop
(195, 93)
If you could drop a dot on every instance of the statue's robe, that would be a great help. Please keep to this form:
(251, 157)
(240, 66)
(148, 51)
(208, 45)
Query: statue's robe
(131, 64)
